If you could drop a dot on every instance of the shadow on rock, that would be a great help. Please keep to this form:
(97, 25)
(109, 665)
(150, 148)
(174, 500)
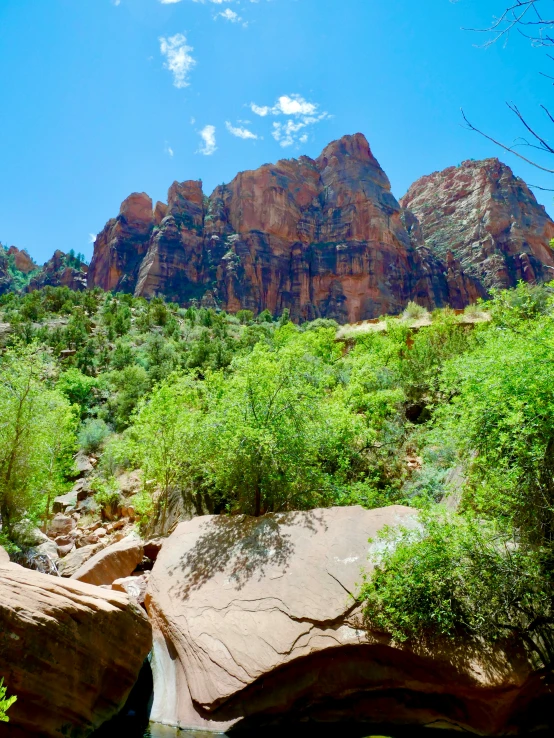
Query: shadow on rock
(242, 546)
(133, 720)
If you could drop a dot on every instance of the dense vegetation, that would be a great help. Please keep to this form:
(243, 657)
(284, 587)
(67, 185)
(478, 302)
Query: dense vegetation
(258, 415)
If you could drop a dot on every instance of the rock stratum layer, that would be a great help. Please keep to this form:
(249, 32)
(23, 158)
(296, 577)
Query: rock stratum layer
(488, 218)
(71, 652)
(255, 623)
(322, 237)
(325, 237)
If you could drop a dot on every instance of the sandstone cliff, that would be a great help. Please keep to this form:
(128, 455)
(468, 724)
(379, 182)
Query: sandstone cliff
(19, 273)
(61, 270)
(323, 238)
(489, 220)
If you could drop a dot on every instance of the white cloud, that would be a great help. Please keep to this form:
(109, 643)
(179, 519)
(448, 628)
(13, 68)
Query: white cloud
(240, 132)
(116, 2)
(92, 236)
(168, 150)
(230, 15)
(178, 59)
(286, 105)
(301, 114)
(207, 134)
(169, 2)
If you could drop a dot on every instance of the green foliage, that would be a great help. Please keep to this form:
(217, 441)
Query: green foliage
(92, 434)
(37, 435)
(502, 419)
(78, 388)
(106, 493)
(5, 703)
(245, 316)
(270, 436)
(451, 576)
(413, 311)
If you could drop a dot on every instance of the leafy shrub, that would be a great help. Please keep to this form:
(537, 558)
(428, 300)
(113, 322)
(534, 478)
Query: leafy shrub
(245, 316)
(5, 703)
(265, 317)
(450, 576)
(78, 388)
(413, 311)
(106, 494)
(143, 505)
(92, 434)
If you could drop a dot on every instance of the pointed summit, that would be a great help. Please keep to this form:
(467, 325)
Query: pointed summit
(355, 146)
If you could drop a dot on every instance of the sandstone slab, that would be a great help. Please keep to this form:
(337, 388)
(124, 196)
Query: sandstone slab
(116, 561)
(71, 653)
(255, 623)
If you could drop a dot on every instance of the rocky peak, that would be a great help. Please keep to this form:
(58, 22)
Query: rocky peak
(136, 211)
(22, 260)
(488, 218)
(322, 237)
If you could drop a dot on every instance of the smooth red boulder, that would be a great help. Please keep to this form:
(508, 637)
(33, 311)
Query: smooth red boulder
(71, 653)
(256, 623)
(113, 562)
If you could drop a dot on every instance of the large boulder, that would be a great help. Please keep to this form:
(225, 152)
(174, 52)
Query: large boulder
(71, 653)
(61, 525)
(255, 623)
(77, 558)
(4, 556)
(113, 562)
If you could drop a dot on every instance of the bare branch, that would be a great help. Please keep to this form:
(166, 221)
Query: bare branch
(515, 110)
(503, 146)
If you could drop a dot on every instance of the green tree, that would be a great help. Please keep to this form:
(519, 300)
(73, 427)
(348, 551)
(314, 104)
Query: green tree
(267, 437)
(502, 419)
(37, 428)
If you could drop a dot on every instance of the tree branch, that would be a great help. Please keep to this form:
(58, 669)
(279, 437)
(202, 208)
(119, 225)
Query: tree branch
(503, 146)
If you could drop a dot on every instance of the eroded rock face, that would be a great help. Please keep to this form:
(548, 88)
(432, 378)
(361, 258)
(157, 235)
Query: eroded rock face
(121, 246)
(323, 238)
(255, 623)
(58, 273)
(488, 219)
(70, 652)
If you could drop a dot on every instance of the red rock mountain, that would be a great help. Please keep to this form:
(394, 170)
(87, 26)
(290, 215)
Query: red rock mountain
(489, 220)
(322, 237)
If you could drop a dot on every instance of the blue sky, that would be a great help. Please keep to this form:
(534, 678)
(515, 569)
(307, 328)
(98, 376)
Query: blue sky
(101, 98)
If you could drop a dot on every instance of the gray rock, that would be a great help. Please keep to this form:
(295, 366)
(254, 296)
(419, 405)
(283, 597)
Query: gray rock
(28, 535)
(50, 549)
(63, 502)
(61, 525)
(83, 464)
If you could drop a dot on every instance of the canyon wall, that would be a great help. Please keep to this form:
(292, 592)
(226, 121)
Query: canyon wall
(325, 237)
